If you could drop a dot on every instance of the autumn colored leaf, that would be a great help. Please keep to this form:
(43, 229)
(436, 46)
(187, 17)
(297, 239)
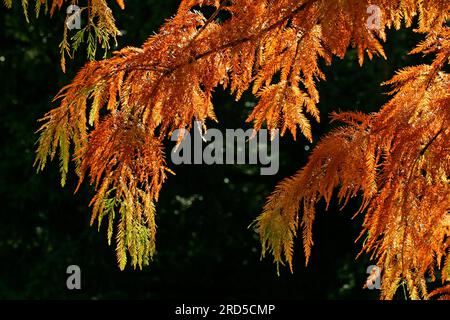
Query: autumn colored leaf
(113, 117)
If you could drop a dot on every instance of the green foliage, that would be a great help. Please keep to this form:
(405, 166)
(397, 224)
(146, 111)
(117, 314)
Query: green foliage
(100, 27)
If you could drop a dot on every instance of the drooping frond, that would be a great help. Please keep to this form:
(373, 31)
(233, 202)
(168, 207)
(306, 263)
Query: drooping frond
(100, 27)
(341, 151)
(399, 160)
(126, 165)
(273, 47)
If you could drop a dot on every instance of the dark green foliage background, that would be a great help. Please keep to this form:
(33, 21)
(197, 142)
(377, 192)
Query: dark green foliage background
(204, 246)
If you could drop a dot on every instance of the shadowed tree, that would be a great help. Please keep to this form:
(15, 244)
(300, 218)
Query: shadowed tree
(117, 112)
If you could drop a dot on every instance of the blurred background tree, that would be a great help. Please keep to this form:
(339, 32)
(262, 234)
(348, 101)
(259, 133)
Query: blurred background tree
(204, 246)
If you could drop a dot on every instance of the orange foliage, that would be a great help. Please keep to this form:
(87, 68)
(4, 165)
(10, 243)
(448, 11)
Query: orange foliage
(397, 158)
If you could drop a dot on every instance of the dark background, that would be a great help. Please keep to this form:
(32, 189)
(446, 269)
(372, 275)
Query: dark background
(204, 246)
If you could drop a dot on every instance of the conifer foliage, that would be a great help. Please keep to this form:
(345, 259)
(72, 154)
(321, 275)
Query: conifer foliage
(113, 117)
(98, 30)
